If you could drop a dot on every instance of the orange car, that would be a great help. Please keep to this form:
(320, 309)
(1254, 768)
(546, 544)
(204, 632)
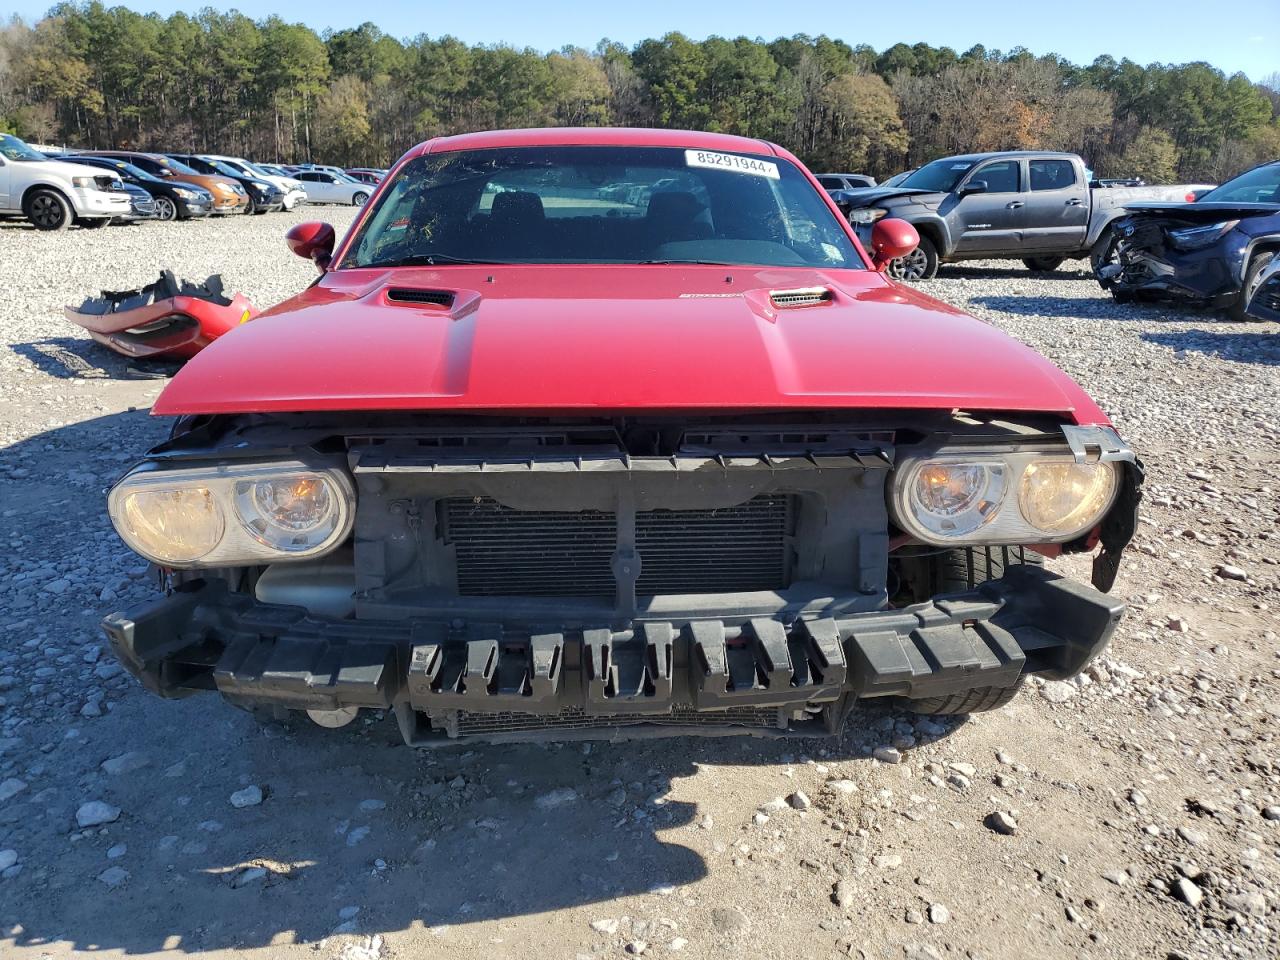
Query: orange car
(228, 196)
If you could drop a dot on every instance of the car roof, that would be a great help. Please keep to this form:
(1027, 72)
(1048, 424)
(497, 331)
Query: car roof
(595, 137)
(975, 157)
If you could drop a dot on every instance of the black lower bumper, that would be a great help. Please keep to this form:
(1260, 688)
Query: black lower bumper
(661, 676)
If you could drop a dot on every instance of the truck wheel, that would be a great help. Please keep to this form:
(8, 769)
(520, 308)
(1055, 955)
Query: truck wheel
(955, 571)
(1102, 253)
(920, 264)
(47, 210)
(1043, 264)
(1252, 277)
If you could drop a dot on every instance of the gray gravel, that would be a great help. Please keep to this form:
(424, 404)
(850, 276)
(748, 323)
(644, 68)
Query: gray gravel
(134, 825)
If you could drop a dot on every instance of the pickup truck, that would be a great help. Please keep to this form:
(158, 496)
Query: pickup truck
(52, 194)
(1038, 207)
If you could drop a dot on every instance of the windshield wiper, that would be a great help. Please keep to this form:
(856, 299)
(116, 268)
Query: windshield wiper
(429, 260)
(709, 263)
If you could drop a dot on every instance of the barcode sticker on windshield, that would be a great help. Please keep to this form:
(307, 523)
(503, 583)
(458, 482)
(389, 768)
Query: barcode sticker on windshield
(731, 161)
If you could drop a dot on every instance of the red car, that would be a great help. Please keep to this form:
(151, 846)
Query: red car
(617, 432)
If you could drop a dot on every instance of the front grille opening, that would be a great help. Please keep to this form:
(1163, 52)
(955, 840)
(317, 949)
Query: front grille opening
(439, 298)
(805, 297)
(506, 552)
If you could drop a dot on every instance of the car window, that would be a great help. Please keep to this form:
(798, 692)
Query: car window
(941, 175)
(1259, 185)
(1052, 174)
(11, 148)
(831, 183)
(1001, 176)
(601, 205)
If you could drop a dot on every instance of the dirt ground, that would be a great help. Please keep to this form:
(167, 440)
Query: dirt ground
(1146, 795)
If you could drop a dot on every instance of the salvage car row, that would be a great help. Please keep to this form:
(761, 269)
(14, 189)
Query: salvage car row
(91, 188)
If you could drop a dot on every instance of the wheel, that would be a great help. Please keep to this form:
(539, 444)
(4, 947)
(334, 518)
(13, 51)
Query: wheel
(94, 223)
(953, 572)
(258, 213)
(1043, 264)
(1103, 253)
(360, 198)
(1252, 277)
(248, 209)
(47, 210)
(920, 264)
(166, 209)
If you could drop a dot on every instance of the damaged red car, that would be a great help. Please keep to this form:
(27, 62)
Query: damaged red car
(600, 433)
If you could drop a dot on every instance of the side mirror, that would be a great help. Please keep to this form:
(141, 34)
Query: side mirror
(891, 238)
(312, 240)
(973, 186)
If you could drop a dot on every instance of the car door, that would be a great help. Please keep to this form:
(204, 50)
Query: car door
(992, 220)
(1057, 206)
(320, 187)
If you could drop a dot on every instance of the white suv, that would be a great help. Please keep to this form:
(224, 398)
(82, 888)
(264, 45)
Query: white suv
(291, 188)
(53, 194)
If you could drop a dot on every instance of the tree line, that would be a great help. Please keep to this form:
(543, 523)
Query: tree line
(89, 75)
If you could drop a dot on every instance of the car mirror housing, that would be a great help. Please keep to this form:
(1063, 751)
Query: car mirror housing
(312, 240)
(973, 186)
(891, 238)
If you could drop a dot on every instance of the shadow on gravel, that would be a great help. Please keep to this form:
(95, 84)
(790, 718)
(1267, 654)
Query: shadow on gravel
(77, 358)
(954, 271)
(1259, 348)
(1100, 307)
(351, 818)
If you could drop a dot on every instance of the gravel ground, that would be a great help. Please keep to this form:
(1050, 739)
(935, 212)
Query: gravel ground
(1134, 813)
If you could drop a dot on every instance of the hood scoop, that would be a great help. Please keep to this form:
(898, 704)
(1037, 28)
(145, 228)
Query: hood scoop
(801, 297)
(436, 298)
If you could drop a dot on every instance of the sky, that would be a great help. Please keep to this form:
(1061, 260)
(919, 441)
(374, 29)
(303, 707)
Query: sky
(1232, 36)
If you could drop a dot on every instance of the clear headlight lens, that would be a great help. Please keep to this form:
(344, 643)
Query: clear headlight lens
(1063, 497)
(232, 514)
(866, 214)
(1021, 497)
(85, 183)
(1194, 238)
(954, 498)
(181, 524)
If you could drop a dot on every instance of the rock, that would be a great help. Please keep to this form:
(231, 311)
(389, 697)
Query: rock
(607, 926)
(1001, 822)
(11, 788)
(730, 920)
(848, 786)
(920, 951)
(1058, 691)
(637, 947)
(1192, 836)
(886, 861)
(616, 798)
(1271, 813)
(556, 798)
(913, 916)
(1187, 892)
(964, 769)
(1137, 797)
(114, 876)
(356, 834)
(1228, 572)
(8, 858)
(799, 801)
(247, 876)
(125, 763)
(678, 944)
(95, 813)
(1118, 877)
(938, 913)
(887, 754)
(842, 894)
(1251, 904)
(1177, 624)
(116, 852)
(349, 913)
(369, 806)
(250, 796)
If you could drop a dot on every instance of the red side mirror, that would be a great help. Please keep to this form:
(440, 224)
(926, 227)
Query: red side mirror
(891, 238)
(312, 240)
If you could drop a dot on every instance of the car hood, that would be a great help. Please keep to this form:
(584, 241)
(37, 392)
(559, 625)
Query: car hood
(69, 168)
(546, 338)
(870, 196)
(1201, 212)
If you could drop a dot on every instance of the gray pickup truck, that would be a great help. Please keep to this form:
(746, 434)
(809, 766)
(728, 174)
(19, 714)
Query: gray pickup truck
(1038, 207)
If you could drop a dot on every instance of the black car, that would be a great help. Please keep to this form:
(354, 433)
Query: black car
(173, 200)
(141, 205)
(263, 196)
(1211, 253)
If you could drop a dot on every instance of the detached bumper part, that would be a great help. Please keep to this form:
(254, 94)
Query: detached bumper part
(764, 676)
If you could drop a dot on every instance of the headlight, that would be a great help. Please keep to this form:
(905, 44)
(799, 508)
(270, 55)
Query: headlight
(867, 214)
(84, 183)
(185, 194)
(1196, 238)
(1015, 497)
(232, 515)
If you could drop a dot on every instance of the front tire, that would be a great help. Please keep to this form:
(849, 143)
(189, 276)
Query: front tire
(1252, 277)
(1103, 253)
(920, 264)
(360, 199)
(1043, 264)
(47, 210)
(954, 572)
(166, 209)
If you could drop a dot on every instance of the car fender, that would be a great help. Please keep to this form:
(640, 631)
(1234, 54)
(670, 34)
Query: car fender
(1267, 242)
(46, 184)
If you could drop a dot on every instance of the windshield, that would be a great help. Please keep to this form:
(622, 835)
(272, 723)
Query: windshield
(11, 148)
(257, 169)
(601, 205)
(1259, 185)
(224, 168)
(941, 176)
(177, 166)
